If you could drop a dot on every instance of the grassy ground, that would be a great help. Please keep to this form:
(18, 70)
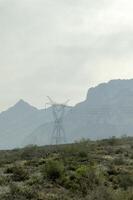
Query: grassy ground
(100, 170)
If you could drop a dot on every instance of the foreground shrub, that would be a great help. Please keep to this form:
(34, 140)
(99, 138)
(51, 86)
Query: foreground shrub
(19, 173)
(125, 181)
(21, 192)
(35, 180)
(53, 170)
(82, 154)
(83, 180)
(4, 180)
(119, 161)
(101, 193)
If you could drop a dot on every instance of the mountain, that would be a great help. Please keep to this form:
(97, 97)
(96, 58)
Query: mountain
(18, 121)
(107, 111)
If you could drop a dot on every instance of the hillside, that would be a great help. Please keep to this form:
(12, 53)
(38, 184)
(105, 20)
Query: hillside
(86, 170)
(107, 111)
(18, 121)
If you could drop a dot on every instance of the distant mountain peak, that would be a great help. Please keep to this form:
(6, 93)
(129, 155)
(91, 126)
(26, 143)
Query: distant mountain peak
(21, 101)
(21, 104)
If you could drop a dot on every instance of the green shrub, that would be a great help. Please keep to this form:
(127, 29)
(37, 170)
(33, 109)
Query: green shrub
(83, 180)
(125, 180)
(35, 180)
(101, 193)
(9, 170)
(53, 170)
(119, 161)
(18, 192)
(82, 171)
(82, 154)
(4, 180)
(19, 173)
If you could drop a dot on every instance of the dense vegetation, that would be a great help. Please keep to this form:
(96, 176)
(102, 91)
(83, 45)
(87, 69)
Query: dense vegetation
(100, 170)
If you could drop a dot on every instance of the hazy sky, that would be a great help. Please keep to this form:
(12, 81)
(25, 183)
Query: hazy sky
(61, 48)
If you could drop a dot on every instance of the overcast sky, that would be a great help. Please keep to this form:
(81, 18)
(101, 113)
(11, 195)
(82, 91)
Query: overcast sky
(61, 48)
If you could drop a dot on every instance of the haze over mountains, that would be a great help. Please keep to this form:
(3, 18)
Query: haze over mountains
(107, 111)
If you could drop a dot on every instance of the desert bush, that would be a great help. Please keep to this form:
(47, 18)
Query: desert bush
(82, 171)
(35, 180)
(119, 161)
(9, 170)
(19, 173)
(83, 180)
(82, 154)
(21, 192)
(53, 170)
(125, 181)
(101, 193)
(4, 180)
(119, 151)
(29, 152)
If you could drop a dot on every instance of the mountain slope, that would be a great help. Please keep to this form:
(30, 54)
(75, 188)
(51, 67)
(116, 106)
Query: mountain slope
(18, 121)
(107, 111)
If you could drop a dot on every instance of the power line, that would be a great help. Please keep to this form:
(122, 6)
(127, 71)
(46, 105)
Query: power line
(58, 133)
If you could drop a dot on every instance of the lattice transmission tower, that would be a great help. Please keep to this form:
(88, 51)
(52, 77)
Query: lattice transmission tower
(58, 134)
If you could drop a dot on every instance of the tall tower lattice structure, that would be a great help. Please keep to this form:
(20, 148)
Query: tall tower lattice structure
(58, 133)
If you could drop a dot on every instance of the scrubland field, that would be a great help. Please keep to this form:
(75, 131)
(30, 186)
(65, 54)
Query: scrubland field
(85, 170)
